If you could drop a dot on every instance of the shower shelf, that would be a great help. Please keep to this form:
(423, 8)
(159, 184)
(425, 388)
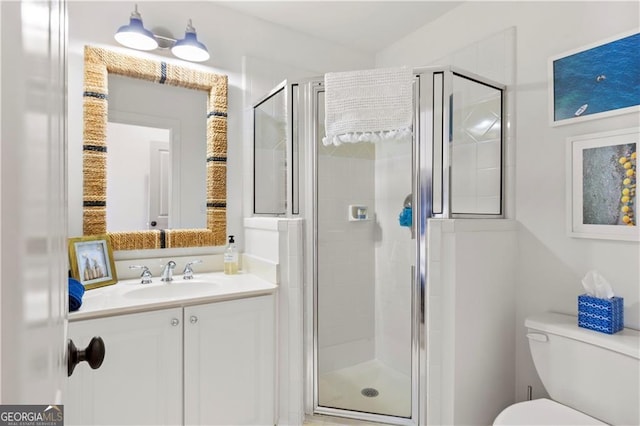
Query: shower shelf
(358, 213)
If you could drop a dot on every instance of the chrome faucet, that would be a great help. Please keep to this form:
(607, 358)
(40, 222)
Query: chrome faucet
(167, 272)
(188, 270)
(145, 276)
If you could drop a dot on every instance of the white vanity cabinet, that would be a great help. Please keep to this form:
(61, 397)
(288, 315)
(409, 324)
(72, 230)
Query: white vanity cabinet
(223, 353)
(140, 380)
(229, 363)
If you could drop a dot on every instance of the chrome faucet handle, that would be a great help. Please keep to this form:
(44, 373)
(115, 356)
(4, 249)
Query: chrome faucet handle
(145, 275)
(188, 270)
(167, 271)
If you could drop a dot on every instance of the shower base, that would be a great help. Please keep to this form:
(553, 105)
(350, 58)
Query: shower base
(348, 388)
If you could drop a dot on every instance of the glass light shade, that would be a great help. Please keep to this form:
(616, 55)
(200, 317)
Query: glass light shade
(190, 49)
(136, 36)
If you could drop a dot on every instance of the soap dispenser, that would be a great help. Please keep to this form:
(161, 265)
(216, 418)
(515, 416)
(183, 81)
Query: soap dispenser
(231, 258)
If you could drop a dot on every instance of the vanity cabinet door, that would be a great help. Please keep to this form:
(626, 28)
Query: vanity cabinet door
(140, 380)
(229, 359)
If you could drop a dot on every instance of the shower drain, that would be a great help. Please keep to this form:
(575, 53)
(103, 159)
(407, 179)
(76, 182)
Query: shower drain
(370, 392)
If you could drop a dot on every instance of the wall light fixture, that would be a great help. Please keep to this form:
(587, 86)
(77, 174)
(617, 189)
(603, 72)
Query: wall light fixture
(136, 36)
(189, 48)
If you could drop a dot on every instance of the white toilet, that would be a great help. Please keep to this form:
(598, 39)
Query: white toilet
(593, 378)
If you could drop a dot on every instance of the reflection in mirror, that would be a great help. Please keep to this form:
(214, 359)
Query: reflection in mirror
(99, 64)
(270, 154)
(138, 177)
(144, 104)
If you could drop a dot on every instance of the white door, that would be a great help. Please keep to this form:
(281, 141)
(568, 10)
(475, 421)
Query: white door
(159, 181)
(229, 362)
(140, 380)
(33, 232)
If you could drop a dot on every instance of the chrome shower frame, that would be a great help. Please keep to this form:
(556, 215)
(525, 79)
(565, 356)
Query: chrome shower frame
(309, 93)
(302, 106)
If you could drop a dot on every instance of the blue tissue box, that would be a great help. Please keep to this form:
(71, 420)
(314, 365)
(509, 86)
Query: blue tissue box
(604, 315)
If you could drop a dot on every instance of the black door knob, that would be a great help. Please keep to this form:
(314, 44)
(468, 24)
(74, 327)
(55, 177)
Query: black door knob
(154, 223)
(93, 354)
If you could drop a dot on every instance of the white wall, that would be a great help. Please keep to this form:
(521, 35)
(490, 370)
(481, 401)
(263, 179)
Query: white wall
(274, 253)
(550, 264)
(230, 37)
(471, 364)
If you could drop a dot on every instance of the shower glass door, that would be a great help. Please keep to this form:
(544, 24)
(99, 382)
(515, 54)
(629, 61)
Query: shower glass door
(270, 153)
(364, 284)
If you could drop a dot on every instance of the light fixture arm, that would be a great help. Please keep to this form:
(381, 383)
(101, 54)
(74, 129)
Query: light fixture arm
(164, 43)
(135, 14)
(190, 28)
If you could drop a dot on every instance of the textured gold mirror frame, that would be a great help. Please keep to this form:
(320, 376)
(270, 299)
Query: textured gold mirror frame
(98, 63)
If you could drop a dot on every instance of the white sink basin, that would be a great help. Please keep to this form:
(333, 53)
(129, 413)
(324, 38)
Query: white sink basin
(173, 289)
(132, 296)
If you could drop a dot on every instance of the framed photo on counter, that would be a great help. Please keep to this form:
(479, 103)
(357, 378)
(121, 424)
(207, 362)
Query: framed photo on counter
(91, 261)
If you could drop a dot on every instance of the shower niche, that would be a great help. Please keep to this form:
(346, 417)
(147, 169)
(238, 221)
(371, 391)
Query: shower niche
(365, 242)
(357, 213)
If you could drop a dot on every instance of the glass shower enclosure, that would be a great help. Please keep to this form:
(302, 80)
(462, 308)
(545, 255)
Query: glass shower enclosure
(366, 208)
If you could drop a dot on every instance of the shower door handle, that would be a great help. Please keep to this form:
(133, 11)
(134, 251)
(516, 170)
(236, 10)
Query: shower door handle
(413, 215)
(413, 224)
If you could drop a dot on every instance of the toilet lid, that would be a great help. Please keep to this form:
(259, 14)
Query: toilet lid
(543, 412)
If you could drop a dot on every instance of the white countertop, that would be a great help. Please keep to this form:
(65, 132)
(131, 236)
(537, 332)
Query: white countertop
(130, 296)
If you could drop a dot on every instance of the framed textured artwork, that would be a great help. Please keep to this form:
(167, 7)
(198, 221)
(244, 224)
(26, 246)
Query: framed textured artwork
(595, 81)
(91, 261)
(602, 185)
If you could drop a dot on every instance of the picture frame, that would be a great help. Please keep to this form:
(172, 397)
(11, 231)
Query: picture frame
(602, 199)
(91, 261)
(595, 81)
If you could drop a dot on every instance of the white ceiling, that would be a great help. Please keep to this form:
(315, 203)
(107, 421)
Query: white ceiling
(363, 25)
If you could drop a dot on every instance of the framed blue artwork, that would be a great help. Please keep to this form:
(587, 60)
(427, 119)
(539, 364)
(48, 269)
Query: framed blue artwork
(595, 81)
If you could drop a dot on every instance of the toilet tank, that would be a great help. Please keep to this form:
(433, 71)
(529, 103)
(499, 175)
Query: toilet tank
(595, 373)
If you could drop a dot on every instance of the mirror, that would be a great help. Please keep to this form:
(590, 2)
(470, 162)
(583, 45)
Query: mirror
(99, 64)
(154, 130)
(137, 158)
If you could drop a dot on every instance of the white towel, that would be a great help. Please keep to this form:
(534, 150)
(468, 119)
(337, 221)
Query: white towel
(368, 105)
